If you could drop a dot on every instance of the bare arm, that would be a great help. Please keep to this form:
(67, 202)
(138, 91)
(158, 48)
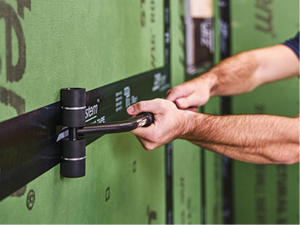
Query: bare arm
(251, 138)
(238, 74)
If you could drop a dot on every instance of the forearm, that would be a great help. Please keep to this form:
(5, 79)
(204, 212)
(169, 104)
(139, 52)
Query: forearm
(245, 71)
(250, 138)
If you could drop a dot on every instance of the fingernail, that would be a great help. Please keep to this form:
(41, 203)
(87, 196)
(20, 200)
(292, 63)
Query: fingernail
(130, 109)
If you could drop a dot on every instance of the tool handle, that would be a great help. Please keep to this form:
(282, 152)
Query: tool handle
(144, 119)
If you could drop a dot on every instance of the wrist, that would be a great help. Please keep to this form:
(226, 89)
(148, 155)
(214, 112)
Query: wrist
(210, 79)
(188, 124)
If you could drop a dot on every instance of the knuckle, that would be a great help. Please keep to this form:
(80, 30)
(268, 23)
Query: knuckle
(159, 103)
(156, 100)
(176, 89)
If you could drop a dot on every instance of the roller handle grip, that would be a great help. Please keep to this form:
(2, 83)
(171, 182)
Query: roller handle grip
(144, 119)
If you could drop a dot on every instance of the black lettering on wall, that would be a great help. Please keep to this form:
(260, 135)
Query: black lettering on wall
(30, 200)
(182, 28)
(152, 35)
(14, 73)
(107, 194)
(186, 213)
(152, 11)
(134, 166)
(259, 108)
(152, 20)
(282, 192)
(13, 100)
(260, 194)
(151, 214)
(23, 4)
(143, 13)
(153, 58)
(264, 16)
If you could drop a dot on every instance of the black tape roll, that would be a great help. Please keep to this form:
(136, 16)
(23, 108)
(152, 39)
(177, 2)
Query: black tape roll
(73, 158)
(73, 103)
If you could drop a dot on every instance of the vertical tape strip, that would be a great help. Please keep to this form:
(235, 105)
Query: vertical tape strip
(226, 110)
(168, 147)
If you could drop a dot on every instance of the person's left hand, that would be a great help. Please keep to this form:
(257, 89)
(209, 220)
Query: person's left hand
(169, 122)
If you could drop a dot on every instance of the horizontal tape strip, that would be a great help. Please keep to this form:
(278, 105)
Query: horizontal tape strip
(30, 143)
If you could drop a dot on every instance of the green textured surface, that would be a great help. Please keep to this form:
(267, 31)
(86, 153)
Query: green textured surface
(186, 156)
(87, 44)
(186, 183)
(91, 44)
(81, 43)
(266, 194)
(83, 200)
(213, 175)
(213, 161)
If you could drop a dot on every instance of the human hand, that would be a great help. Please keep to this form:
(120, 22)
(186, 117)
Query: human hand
(169, 122)
(192, 93)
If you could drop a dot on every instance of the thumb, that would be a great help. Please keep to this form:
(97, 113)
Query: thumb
(152, 106)
(134, 109)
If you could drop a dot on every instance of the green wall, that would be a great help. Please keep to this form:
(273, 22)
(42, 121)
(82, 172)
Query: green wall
(83, 44)
(265, 193)
(186, 156)
(197, 199)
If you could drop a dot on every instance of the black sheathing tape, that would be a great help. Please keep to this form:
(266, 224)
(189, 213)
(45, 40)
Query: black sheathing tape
(30, 145)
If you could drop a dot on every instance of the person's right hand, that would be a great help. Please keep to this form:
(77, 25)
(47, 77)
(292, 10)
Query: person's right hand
(192, 93)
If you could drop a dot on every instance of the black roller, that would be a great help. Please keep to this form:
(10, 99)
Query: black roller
(73, 169)
(73, 105)
(73, 158)
(73, 97)
(73, 118)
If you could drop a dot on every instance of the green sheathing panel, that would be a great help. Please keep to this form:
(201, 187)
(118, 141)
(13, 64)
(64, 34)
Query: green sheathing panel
(213, 161)
(83, 44)
(79, 43)
(187, 183)
(186, 156)
(213, 175)
(187, 180)
(217, 36)
(115, 189)
(279, 22)
(266, 193)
